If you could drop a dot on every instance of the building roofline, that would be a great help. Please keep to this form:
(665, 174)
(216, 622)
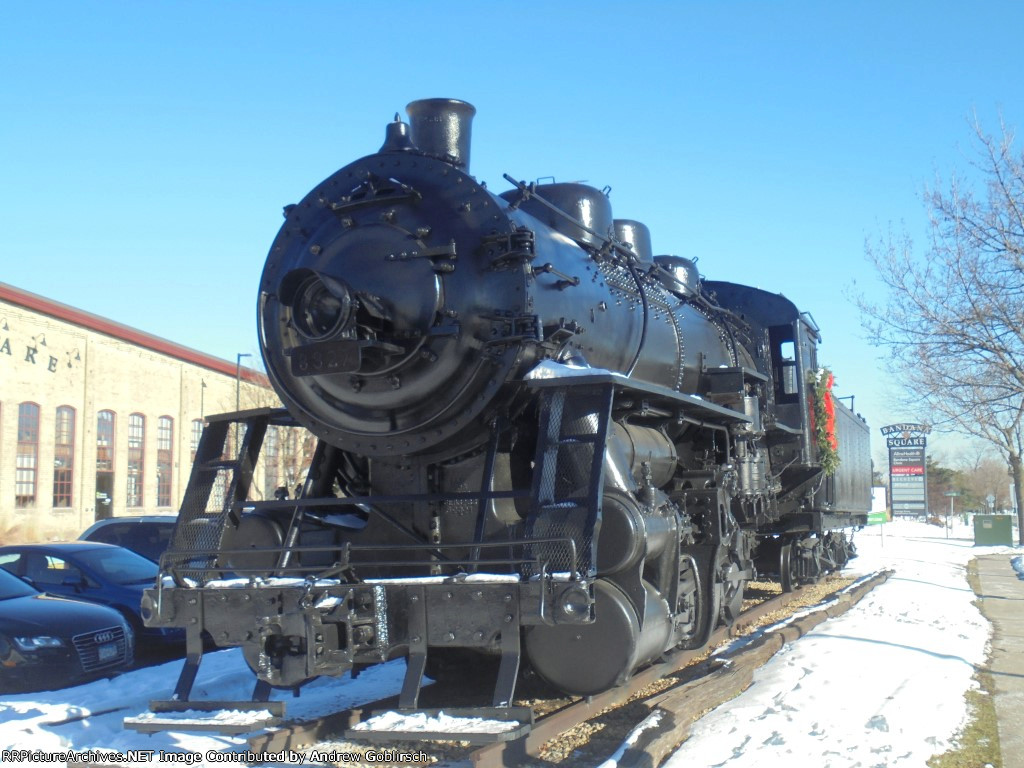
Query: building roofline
(80, 317)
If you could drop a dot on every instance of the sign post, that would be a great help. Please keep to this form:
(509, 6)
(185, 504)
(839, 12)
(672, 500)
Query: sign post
(908, 481)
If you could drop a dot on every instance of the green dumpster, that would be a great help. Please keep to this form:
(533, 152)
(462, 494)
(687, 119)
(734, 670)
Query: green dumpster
(993, 530)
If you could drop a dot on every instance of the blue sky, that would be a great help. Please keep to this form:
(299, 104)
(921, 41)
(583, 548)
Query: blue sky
(146, 148)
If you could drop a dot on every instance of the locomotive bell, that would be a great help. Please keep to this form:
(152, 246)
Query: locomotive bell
(396, 137)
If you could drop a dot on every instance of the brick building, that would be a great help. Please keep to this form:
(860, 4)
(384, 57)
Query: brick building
(98, 419)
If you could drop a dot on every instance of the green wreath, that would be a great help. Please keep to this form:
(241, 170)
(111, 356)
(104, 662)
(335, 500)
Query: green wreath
(823, 419)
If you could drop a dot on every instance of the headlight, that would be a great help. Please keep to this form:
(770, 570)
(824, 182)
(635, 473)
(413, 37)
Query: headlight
(35, 642)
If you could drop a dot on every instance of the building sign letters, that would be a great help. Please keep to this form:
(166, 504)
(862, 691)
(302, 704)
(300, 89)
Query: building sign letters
(908, 477)
(33, 354)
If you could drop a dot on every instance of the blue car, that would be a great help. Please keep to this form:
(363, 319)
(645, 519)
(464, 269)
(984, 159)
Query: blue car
(49, 642)
(146, 535)
(98, 573)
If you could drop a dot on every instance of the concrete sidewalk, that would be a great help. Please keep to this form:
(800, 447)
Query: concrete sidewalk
(1001, 600)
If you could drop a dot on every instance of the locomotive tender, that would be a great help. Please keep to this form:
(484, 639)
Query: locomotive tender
(536, 440)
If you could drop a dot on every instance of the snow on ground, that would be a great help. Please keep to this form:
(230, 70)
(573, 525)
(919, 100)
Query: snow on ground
(39, 721)
(880, 686)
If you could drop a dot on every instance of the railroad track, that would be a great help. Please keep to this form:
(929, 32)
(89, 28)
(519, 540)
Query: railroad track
(558, 716)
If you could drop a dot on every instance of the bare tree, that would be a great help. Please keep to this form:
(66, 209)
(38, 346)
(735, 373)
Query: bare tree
(987, 477)
(953, 320)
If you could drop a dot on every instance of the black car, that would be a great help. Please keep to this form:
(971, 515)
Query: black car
(99, 573)
(146, 535)
(48, 642)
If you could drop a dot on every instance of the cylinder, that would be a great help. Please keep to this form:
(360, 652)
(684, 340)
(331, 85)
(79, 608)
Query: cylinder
(590, 658)
(650, 446)
(627, 535)
(442, 128)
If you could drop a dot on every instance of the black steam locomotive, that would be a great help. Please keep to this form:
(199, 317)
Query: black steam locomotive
(536, 441)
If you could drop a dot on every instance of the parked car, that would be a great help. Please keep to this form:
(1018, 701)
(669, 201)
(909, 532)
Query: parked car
(146, 535)
(48, 642)
(100, 573)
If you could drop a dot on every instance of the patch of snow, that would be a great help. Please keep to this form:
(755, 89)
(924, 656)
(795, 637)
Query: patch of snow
(398, 722)
(650, 721)
(192, 716)
(469, 578)
(274, 581)
(549, 369)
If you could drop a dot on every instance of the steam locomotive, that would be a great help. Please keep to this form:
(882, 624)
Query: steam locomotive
(536, 441)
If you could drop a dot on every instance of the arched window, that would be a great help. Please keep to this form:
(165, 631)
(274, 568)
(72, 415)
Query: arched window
(64, 456)
(136, 458)
(27, 458)
(164, 460)
(197, 432)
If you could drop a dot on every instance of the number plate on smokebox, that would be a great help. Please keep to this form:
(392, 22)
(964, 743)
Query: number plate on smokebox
(326, 357)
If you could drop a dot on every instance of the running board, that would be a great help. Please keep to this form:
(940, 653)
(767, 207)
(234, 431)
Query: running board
(227, 717)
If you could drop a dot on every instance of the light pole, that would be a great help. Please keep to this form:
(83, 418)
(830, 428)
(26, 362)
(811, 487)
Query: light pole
(238, 378)
(238, 388)
(952, 495)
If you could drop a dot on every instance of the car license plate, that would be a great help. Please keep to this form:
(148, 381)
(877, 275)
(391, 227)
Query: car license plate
(108, 651)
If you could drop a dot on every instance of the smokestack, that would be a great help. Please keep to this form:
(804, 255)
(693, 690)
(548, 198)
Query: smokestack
(442, 128)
